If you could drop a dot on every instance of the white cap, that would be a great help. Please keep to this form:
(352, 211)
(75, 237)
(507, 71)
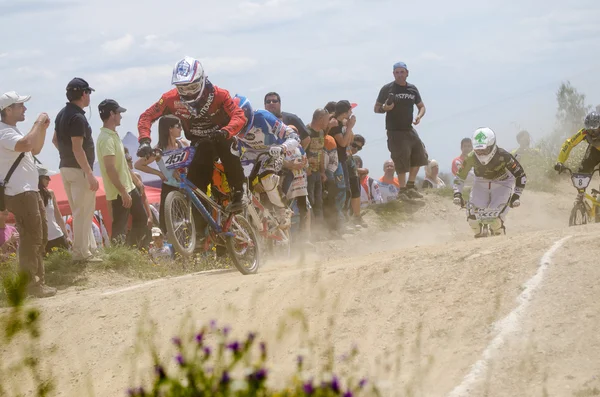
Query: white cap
(43, 171)
(156, 232)
(10, 98)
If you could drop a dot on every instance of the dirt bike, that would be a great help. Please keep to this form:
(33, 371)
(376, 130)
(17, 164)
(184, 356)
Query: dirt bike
(586, 208)
(261, 214)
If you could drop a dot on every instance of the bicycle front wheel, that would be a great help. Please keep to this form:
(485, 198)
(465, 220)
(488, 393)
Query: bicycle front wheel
(181, 230)
(243, 246)
(578, 215)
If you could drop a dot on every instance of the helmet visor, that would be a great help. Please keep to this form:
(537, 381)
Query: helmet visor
(189, 91)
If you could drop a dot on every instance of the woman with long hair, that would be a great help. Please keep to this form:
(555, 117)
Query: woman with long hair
(57, 230)
(169, 134)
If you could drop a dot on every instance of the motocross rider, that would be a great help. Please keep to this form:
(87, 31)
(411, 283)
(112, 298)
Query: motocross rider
(265, 133)
(210, 120)
(591, 133)
(496, 172)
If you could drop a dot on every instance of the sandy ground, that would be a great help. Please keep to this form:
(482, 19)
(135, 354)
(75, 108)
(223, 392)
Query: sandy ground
(420, 302)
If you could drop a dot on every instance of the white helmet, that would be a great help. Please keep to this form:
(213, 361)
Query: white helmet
(190, 80)
(484, 144)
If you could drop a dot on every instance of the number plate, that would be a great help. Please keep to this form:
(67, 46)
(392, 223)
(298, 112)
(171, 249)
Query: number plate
(487, 214)
(179, 158)
(581, 181)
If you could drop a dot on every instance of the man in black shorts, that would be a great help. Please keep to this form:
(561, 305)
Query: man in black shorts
(397, 99)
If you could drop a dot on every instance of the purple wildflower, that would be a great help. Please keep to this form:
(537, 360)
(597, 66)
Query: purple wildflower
(200, 338)
(213, 324)
(160, 371)
(206, 351)
(263, 351)
(259, 375)
(348, 394)
(362, 383)
(251, 337)
(308, 388)
(141, 391)
(180, 360)
(131, 392)
(226, 330)
(234, 346)
(335, 384)
(176, 341)
(225, 379)
(299, 360)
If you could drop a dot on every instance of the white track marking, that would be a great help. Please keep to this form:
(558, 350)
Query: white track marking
(507, 325)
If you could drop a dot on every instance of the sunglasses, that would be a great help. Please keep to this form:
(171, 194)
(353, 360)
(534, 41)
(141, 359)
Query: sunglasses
(87, 91)
(269, 101)
(356, 146)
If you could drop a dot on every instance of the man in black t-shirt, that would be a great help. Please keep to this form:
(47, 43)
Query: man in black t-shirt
(73, 139)
(397, 99)
(273, 105)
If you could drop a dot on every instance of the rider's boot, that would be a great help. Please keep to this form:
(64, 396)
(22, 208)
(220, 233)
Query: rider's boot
(497, 227)
(474, 223)
(237, 202)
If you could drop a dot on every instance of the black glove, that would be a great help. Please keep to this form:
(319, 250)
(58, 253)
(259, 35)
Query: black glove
(145, 150)
(560, 167)
(458, 199)
(220, 135)
(514, 198)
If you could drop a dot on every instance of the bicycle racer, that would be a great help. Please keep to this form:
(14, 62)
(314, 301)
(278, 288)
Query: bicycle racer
(591, 134)
(265, 133)
(210, 120)
(499, 180)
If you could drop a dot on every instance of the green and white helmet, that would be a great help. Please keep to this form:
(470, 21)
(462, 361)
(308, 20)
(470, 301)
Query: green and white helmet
(484, 144)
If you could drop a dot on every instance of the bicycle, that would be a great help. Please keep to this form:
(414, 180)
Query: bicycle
(276, 239)
(485, 217)
(228, 229)
(587, 212)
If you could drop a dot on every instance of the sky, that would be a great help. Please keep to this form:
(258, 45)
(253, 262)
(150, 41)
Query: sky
(476, 63)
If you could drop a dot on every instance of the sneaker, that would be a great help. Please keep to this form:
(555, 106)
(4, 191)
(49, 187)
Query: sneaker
(359, 221)
(41, 290)
(412, 193)
(403, 197)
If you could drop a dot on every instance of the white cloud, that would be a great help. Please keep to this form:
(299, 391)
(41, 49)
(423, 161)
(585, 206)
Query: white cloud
(35, 73)
(155, 43)
(229, 64)
(119, 45)
(130, 78)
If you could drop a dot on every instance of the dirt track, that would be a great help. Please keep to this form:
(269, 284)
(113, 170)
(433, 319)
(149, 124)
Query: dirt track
(425, 296)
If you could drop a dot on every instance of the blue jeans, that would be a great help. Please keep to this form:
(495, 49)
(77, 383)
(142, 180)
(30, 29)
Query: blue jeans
(315, 194)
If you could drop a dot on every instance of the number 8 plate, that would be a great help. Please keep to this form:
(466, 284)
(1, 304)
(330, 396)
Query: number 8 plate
(581, 181)
(179, 158)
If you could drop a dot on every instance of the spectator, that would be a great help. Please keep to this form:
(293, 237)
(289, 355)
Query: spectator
(20, 194)
(525, 153)
(295, 187)
(369, 192)
(160, 249)
(397, 99)
(73, 139)
(432, 180)
(57, 230)
(139, 185)
(9, 237)
(273, 105)
(388, 184)
(316, 164)
(355, 147)
(330, 107)
(169, 134)
(334, 189)
(118, 182)
(466, 147)
(343, 134)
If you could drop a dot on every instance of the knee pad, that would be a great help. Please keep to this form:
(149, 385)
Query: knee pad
(269, 183)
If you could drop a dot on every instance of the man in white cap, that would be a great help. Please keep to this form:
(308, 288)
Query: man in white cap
(20, 193)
